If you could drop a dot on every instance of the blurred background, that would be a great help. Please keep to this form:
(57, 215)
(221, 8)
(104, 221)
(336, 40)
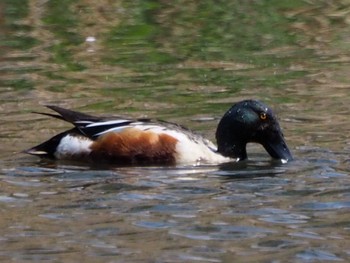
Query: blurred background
(186, 62)
(176, 61)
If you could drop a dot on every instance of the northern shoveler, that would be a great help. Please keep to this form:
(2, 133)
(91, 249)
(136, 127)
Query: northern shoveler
(144, 141)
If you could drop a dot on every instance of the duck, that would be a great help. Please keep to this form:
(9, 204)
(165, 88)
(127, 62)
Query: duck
(128, 141)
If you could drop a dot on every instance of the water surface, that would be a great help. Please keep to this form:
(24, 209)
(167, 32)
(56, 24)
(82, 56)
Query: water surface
(185, 62)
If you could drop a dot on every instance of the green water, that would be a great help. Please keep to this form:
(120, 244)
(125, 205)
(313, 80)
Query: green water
(186, 62)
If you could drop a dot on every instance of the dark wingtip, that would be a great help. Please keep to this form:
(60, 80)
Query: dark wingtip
(71, 116)
(59, 110)
(55, 108)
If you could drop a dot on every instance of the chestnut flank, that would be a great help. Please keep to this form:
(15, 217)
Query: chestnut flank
(134, 146)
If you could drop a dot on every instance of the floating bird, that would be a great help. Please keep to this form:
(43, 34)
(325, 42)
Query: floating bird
(125, 141)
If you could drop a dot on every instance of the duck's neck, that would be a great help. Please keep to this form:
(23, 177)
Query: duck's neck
(232, 150)
(230, 145)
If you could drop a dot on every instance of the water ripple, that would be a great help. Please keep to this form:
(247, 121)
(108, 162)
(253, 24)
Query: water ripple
(312, 255)
(223, 232)
(320, 206)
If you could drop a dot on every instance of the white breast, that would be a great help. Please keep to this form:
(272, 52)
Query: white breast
(190, 149)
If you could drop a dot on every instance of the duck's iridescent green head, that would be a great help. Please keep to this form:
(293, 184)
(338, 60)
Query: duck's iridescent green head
(251, 121)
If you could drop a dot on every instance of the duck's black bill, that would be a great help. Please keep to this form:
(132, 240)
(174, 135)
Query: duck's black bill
(278, 149)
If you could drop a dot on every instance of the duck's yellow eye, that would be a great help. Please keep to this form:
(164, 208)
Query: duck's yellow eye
(263, 116)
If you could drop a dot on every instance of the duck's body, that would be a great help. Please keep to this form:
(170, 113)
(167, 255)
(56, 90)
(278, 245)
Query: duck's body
(143, 141)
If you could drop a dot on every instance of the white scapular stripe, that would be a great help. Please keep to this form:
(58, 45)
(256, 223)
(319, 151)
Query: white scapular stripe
(104, 123)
